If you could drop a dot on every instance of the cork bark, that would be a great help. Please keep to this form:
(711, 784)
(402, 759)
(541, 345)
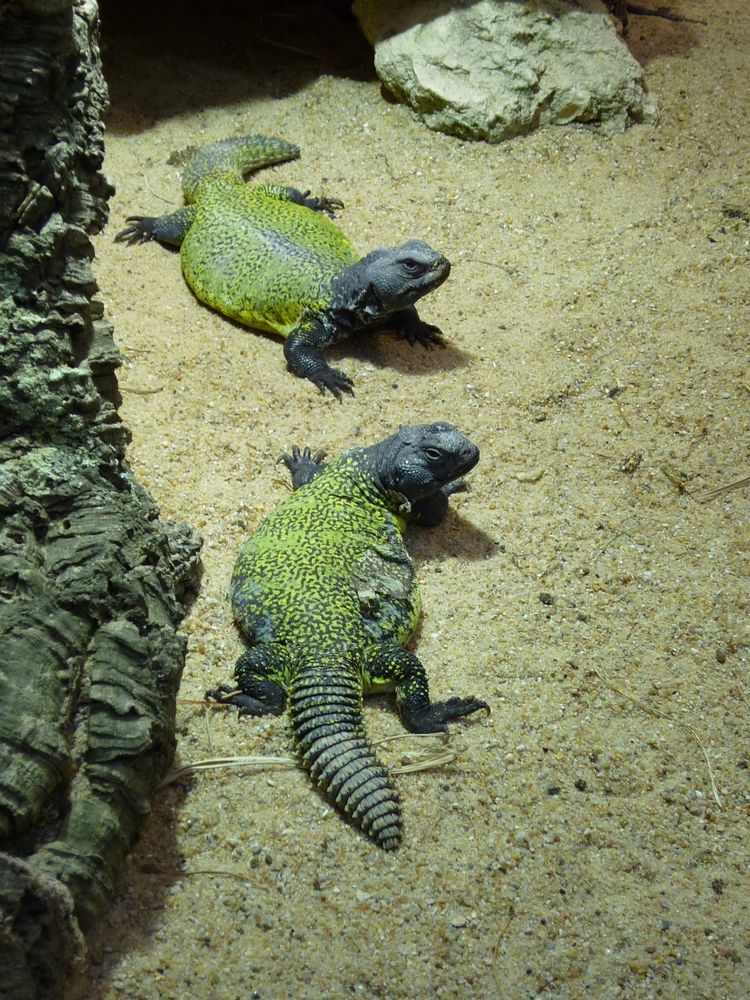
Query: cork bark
(92, 583)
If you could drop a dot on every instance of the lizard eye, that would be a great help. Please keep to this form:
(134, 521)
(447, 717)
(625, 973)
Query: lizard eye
(433, 454)
(412, 266)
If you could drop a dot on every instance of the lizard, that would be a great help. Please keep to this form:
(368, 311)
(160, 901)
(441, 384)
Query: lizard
(327, 597)
(267, 256)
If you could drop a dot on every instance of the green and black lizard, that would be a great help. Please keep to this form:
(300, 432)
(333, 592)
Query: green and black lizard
(327, 596)
(265, 255)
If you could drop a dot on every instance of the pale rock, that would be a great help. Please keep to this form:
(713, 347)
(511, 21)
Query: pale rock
(493, 69)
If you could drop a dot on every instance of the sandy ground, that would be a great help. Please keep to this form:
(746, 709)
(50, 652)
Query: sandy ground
(591, 838)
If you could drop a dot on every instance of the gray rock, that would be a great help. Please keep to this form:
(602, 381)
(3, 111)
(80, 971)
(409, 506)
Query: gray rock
(493, 69)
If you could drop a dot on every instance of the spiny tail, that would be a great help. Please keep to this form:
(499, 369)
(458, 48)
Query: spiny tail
(237, 156)
(325, 705)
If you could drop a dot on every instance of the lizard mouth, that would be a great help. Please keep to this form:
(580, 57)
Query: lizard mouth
(440, 271)
(469, 457)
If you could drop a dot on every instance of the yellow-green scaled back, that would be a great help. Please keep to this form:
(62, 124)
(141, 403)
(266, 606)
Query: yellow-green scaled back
(257, 256)
(326, 595)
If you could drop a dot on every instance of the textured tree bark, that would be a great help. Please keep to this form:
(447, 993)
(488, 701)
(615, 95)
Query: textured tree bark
(90, 579)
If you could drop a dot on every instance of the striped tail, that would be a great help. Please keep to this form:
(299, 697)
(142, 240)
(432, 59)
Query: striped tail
(325, 706)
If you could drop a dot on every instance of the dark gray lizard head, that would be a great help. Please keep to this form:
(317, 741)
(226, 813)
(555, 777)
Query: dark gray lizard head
(418, 461)
(391, 279)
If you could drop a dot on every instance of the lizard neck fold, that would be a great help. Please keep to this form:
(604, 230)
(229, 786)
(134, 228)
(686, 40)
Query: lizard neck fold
(355, 300)
(359, 478)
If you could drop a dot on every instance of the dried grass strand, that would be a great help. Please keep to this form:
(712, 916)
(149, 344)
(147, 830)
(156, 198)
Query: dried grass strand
(718, 491)
(423, 762)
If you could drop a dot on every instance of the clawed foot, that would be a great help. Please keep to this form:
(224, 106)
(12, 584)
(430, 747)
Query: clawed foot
(323, 204)
(303, 465)
(432, 510)
(141, 232)
(334, 381)
(422, 333)
(459, 486)
(299, 458)
(225, 694)
(433, 719)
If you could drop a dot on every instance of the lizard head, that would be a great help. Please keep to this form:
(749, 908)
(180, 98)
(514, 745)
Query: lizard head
(419, 461)
(396, 277)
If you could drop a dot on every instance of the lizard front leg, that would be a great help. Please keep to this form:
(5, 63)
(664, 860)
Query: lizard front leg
(170, 229)
(324, 204)
(432, 510)
(301, 350)
(408, 326)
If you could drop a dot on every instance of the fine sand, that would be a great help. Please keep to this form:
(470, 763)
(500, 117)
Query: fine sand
(590, 839)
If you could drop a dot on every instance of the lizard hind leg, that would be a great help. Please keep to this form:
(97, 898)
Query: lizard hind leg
(256, 691)
(389, 663)
(170, 229)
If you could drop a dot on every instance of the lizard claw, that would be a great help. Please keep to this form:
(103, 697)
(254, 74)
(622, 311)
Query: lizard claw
(330, 206)
(322, 204)
(335, 382)
(459, 486)
(433, 718)
(297, 458)
(425, 334)
(244, 703)
(141, 232)
(303, 465)
(224, 694)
